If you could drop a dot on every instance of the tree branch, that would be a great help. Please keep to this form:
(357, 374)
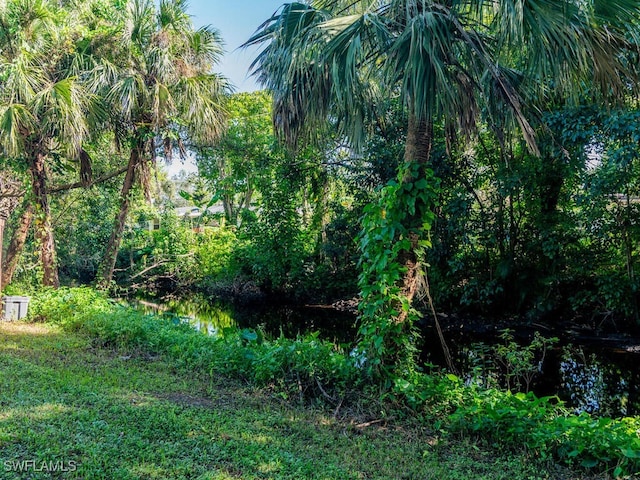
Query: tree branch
(103, 178)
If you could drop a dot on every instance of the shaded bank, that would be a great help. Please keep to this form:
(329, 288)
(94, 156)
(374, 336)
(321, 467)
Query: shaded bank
(591, 371)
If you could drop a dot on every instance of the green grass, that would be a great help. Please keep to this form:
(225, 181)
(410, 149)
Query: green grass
(119, 415)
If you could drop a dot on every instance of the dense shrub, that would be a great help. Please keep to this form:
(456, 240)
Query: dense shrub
(542, 425)
(68, 306)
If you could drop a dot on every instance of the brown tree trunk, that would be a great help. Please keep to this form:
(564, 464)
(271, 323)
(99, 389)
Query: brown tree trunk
(229, 210)
(2, 224)
(18, 239)
(417, 150)
(105, 272)
(417, 147)
(43, 227)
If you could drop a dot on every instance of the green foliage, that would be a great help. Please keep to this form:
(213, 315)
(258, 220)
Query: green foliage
(279, 245)
(515, 364)
(302, 367)
(394, 226)
(128, 417)
(306, 368)
(176, 255)
(202, 199)
(67, 305)
(543, 424)
(214, 253)
(287, 244)
(82, 228)
(295, 233)
(234, 165)
(547, 236)
(158, 258)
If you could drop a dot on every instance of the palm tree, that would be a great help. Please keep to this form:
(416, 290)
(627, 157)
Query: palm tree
(448, 61)
(44, 104)
(161, 86)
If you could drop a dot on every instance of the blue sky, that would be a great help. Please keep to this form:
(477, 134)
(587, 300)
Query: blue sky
(236, 20)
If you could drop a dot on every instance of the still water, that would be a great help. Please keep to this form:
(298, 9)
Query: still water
(590, 376)
(214, 315)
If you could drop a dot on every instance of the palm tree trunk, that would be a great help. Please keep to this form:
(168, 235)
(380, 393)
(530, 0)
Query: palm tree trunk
(105, 272)
(417, 150)
(419, 141)
(18, 239)
(2, 224)
(43, 227)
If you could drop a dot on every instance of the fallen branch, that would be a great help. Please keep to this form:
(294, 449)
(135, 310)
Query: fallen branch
(145, 270)
(372, 422)
(325, 394)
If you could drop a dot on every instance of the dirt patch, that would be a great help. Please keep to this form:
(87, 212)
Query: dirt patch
(20, 328)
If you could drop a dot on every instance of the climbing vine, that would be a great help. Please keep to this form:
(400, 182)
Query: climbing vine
(392, 242)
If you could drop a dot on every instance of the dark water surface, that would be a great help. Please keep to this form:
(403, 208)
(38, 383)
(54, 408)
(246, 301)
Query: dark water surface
(590, 373)
(274, 319)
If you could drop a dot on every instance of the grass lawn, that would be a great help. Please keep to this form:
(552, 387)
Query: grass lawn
(102, 414)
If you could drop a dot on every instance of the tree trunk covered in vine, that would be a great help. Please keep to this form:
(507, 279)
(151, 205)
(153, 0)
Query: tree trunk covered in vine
(43, 226)
(105, 272)
(417, 150)
(16, 245)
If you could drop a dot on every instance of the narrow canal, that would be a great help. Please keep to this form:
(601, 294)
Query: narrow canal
(600, 376)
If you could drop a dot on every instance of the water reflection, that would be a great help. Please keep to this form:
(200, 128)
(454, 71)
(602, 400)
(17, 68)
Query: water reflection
(593, 386)
(592, 379)
(213, 316)
(597, 382)
(205, 316)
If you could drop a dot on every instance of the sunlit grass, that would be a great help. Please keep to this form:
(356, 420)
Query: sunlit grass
(122, 415)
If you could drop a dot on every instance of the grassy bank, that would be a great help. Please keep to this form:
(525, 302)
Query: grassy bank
(121, 414)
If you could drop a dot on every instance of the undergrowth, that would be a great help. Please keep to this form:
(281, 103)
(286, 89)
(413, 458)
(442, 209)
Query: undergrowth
(311, 369)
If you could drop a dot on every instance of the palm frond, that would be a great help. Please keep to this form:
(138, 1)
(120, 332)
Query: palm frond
(61, 110)
(16, 122)
(23, 79)
(127, 94)
(173, 14)
(201, 104)
(206, 46)
(140, 21)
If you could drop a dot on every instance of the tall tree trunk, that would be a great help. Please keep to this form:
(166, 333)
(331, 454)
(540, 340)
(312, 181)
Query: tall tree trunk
(2, 224)
(246, 202)
(419, 141)
(228, 200)
(417, 150)
(43, 227)
(18, 239)
(105, 272)
(229, 210)
(9, 198)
